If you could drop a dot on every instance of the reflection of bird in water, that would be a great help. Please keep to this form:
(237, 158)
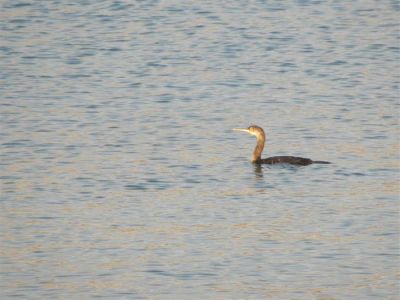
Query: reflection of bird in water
(293, 160)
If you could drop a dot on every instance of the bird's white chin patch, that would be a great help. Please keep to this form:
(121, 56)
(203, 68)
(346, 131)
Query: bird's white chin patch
(253, 133)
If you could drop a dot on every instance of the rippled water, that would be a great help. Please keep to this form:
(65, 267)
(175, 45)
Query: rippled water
(121, 177)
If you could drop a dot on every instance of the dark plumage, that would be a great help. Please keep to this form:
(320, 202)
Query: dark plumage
(256, 158)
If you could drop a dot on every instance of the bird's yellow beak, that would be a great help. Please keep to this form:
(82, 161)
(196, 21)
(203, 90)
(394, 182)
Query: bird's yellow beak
(241, 129)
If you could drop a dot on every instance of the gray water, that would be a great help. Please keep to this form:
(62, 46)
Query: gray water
(120, 174)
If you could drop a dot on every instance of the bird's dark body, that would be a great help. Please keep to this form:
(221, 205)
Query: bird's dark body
(292, 160)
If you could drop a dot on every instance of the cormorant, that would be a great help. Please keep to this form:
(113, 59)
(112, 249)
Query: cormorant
(256, 158)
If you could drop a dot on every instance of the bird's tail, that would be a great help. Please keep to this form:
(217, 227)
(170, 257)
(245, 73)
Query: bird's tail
(320, 162)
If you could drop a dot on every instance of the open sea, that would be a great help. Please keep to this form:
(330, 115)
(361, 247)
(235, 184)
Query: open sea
(121, 177)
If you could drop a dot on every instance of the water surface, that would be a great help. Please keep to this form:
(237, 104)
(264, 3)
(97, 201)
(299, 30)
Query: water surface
(121, 177)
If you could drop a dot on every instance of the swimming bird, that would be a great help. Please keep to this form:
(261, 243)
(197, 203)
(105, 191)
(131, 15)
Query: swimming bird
(256, 158)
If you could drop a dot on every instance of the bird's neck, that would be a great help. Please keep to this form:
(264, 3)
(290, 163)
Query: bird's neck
(259, 148)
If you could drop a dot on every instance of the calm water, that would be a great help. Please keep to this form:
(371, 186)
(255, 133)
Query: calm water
(121, 177)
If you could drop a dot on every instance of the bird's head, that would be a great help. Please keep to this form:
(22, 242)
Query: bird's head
(253, 130)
